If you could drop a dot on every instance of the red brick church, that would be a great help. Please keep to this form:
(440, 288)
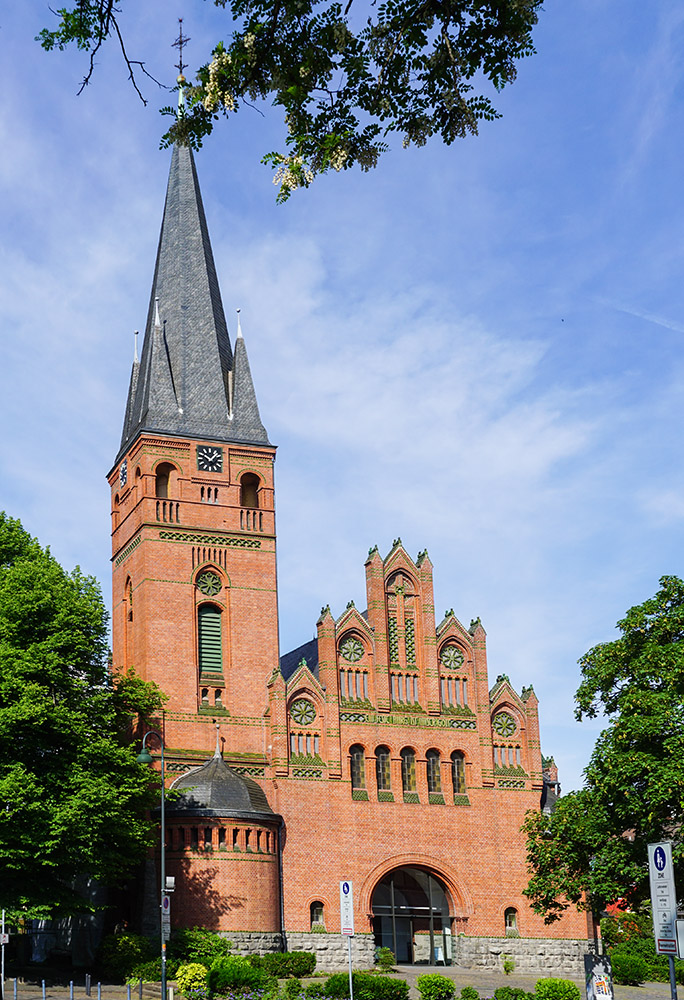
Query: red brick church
(379, 752)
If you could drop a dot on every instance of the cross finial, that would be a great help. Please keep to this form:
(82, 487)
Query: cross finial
(180, 65)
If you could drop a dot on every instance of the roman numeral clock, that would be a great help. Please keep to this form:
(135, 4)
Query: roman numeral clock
(209, 458)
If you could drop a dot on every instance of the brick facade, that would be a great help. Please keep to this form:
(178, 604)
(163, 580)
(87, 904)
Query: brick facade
(382, 743)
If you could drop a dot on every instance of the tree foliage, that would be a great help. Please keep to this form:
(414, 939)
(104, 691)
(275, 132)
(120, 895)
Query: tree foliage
(345, 76)
(72, 796)
(594, 844)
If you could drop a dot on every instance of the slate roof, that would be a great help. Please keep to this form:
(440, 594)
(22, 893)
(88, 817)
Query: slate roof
(188, 382)
(290, 661)
(215, 789)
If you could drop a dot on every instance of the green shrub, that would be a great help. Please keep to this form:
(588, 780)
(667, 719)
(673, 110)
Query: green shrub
(283, 964)
(314, 991)
(512, 993)
(292, 989)
(469, 993)
(508, 964)
(120, 953)
(366, 987)
(386, 959)
(556, 989)
(629, 970)
(233, 975)
(197, 944)
(149, 972)
(434, 986)
(191, 980)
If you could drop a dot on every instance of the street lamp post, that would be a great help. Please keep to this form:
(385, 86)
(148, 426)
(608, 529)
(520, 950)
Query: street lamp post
(145, 757)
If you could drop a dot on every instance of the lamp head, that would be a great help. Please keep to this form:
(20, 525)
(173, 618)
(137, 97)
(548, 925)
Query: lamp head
(144, 757)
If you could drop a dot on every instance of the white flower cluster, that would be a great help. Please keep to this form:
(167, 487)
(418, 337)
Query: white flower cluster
(338, 158)
(292, 173)
(215, 94)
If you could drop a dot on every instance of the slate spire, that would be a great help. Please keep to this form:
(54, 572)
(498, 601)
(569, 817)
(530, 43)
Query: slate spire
(188, 384)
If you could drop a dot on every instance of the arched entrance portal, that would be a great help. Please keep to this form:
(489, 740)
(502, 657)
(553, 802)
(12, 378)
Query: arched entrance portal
(411, 917)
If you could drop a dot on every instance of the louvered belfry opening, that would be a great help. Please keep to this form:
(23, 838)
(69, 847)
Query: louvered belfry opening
(209, 639)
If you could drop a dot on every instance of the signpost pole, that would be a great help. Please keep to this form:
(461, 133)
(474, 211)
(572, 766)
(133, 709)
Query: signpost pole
(664, 905)
(347, 924)
(2, 974)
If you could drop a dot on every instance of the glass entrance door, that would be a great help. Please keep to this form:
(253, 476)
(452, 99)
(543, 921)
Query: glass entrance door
(411, 917)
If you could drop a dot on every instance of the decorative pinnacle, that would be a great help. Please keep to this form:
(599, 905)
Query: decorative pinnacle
(135, 351)
(239, 328)
(180, 65)
(217, 751)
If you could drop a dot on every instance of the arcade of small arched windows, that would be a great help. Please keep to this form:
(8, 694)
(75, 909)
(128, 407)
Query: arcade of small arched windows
(305, 733)
(220, 838)
(353, 671)
(442, 776)
(204, 553)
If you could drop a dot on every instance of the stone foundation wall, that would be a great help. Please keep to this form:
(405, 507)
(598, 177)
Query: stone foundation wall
(332, 950)
(546, 956)
(538, 956)
(254, 942)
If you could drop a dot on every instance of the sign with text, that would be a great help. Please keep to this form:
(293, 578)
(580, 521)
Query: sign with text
(663, 898)
(166, 917)
(347, 909)
(598, 977)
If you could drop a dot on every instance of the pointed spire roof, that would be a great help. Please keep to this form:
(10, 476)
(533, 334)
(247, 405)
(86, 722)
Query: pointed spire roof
(188, 383)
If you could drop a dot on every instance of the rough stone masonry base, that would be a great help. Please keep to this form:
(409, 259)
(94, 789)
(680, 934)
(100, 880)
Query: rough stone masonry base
(543, 956)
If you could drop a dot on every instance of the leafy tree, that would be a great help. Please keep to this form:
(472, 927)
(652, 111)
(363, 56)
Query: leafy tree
(345, 76)
(592, 850)
(72, 795)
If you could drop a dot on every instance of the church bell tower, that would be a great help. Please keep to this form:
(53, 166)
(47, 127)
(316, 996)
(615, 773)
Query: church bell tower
(193, 515)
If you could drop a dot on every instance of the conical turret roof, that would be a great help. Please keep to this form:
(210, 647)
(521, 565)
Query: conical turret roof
(215, 789)
(187, 383)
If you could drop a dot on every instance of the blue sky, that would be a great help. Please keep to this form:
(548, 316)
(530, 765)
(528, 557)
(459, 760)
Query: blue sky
(476, 348)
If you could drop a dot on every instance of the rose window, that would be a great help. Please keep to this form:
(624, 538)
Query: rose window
(209, 584)
(452, 657)
(352, 650)
(504, 724)
(303, 712)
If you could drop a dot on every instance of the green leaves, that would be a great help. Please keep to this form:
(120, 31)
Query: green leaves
(72, 796)
(346, 77)
(595, 841)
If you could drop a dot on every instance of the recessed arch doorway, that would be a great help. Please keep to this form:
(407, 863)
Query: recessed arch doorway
(412, 916)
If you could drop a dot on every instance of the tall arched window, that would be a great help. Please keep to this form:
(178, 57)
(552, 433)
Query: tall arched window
(434, 778)
(458, 772)
(408, 769)
(382, 769)
(357, 766)
(249, 490)
(161, 482)
(209, 646)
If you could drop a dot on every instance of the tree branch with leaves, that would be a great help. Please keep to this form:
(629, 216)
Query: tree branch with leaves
(346, 78)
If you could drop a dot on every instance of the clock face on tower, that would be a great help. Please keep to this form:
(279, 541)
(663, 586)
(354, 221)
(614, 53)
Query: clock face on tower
(209, 458)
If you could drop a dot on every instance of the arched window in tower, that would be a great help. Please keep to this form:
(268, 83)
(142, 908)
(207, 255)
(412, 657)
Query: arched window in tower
(458, 773)
(382, 769)
(249, 490)
(209, 636)
(434, 777)
(408, 770)
(162, 479)
(357, 767)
